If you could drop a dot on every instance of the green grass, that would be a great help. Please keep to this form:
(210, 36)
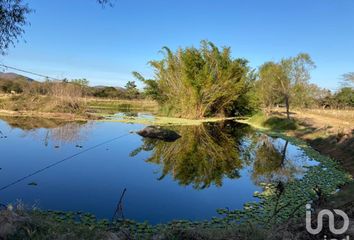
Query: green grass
(274, 123)
(277, 123)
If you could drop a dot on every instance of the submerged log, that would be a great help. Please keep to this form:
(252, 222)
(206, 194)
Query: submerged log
(159, 133)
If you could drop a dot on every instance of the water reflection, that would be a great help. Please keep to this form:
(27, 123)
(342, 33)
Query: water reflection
(57, 132)
(271, 164)
(30, 123)
(203, 156)
(228, 161)
(69, 133)
(208, 153)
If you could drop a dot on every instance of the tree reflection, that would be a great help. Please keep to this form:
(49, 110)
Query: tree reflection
(203, 156)
(68, 133)
(206, 154)
(271, 164)
(56, 131)
(31, 123)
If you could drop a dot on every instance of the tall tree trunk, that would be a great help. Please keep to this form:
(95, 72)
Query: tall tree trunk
(287, 106)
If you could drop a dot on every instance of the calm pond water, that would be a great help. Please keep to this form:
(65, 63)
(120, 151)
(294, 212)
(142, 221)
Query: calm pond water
(86, 166)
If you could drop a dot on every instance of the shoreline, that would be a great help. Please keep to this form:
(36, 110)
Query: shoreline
(157, 120)
(332, 142)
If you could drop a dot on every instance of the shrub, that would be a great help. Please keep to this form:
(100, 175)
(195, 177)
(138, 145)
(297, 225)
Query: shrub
(195, 83)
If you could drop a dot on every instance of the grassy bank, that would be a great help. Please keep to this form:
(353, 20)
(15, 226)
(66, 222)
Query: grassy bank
(80, 109)
(51, 107)
(123, 105)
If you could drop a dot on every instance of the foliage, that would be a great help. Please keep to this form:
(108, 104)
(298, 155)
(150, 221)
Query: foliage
(77, 87)
(46, 97)
(285, 80)
(13, 15)
(345, 97)
(81, 82)
(267, 84)
(310, 96)
(195, 83)
(342, 99)
(11, 86)
(278, 123)
(288, 79)
(273, 123)
(108, 92)
(151, 88)
(131, 90)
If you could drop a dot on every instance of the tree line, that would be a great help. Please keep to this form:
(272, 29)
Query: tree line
(78, 88)
(207, 81)
(199, 82)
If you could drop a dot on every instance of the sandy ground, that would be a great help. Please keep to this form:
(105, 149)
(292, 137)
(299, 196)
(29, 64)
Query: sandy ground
(340, 120)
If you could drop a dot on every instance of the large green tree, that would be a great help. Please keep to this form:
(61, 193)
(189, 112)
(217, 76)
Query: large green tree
(195, 83)
(267, 85)
(286, 79)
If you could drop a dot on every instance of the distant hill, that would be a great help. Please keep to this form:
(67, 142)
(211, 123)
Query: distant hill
(99, 87)
(14, 76)
(102, 87)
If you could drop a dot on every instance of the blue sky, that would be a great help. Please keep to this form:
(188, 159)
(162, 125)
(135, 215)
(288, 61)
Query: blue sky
(79, 39)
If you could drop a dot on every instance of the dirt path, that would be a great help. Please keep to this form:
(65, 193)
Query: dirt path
(334, 119)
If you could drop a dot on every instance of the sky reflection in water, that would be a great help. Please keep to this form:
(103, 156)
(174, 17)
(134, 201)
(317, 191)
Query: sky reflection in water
(212, 166)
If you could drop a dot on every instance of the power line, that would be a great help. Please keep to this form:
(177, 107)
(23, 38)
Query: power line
(29, 72)
(61, 161)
